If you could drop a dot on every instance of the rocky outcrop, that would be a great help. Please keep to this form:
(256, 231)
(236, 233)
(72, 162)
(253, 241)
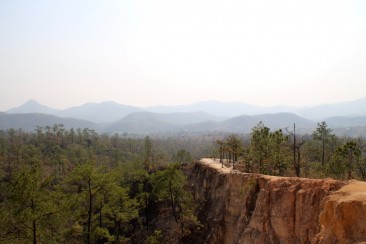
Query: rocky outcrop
(238, 207)
(343, 219)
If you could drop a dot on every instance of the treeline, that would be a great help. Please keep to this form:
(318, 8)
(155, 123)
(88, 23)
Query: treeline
(76, 186)
(283, 152)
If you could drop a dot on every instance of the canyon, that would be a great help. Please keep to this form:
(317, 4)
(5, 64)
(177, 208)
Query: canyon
(238, 207)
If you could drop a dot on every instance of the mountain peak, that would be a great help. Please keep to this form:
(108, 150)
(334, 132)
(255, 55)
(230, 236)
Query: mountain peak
(31, 102)
(32, 106)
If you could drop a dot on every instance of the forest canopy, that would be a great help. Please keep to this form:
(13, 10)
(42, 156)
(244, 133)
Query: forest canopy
(62, 185)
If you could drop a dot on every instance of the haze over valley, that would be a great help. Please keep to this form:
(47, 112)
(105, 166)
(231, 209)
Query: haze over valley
(208, 116)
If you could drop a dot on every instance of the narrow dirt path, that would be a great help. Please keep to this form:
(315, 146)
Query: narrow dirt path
(215, 163)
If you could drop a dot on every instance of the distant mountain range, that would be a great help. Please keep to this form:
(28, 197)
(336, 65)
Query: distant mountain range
(198, 117)
(29, 122)
(105, 112)
(146, 122)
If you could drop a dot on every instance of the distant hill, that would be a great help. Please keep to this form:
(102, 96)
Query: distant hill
(273, 121)
(99, 112)
(29, 122)
(140, 123)
(352, 108)
(32, 106)
(245, 123)
(145, 122)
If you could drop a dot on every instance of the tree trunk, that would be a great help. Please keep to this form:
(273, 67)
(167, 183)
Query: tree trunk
(118, 227)
(221, 159)
(295, 163)
(34, 232)
(34, 226)
(89, 214)
(172, 201)
(350, 159)
(298, 162)
(146, 211)
(323, 151)
(100, 221)
(260, 166)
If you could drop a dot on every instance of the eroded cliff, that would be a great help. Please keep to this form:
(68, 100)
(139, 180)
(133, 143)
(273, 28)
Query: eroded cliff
(238, 207)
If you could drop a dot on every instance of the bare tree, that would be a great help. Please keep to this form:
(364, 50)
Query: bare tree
(296, 148)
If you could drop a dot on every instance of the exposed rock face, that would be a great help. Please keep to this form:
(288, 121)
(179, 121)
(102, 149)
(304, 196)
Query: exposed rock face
(238, 207)
(343, 218)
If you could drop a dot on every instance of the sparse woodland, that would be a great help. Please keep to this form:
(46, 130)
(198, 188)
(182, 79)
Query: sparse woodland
(285, 153)
(77, 186)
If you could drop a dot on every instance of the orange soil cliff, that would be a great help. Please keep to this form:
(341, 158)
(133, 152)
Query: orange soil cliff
(238, 207)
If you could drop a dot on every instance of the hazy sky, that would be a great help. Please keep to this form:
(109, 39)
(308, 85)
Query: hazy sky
(162, 52)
